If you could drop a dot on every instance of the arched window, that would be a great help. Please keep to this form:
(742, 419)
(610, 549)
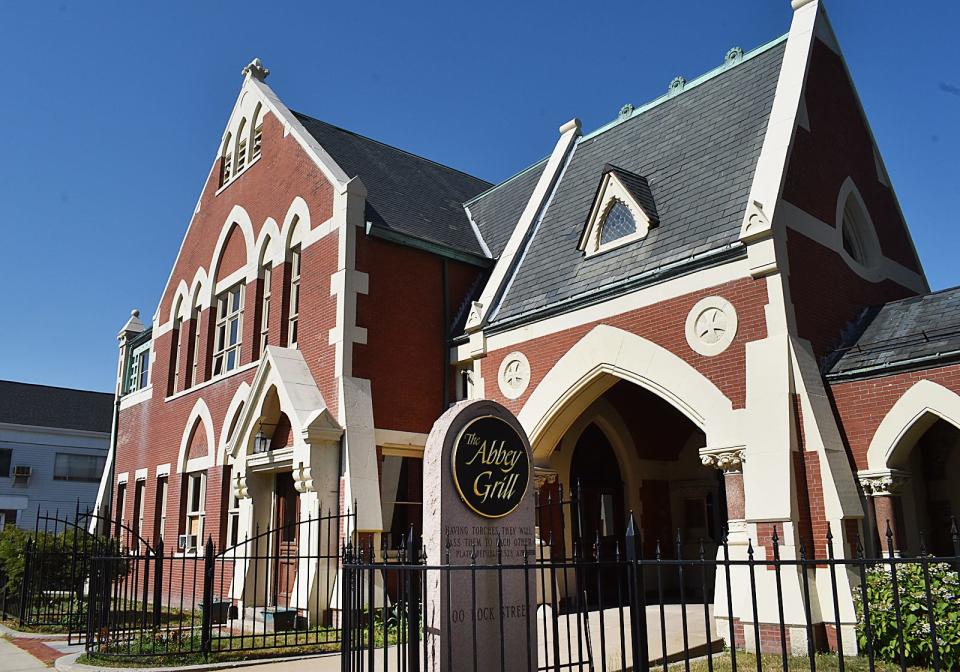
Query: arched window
(193, 351)
(853, 231)
(293, 292)
(256, 133)
(266, 281)
(226, 163)
(857, 236)
(241, 154)
(176, 353)
(618, 223)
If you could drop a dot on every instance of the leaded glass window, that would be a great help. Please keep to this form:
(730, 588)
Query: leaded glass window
(618, 223)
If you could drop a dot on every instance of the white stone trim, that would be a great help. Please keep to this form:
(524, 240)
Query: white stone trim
(646, 296)
(163, 470)
(830, 237)
(715, 306)
(200, 412)
(778, 139)
(578, 378)
(514, 367)
(141, 474)
(143, 394)
(394, 438)
(235, 407)
(123, 477)
(238, 215)
(569, 133)
(906, 421)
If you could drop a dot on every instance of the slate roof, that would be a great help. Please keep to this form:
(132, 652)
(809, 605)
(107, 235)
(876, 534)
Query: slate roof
(406, 193)
(639, 188)
(697, 149)
(497, 210)
(898, 333)
(43, 406)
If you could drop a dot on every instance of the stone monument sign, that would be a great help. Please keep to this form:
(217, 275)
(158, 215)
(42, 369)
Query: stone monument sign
(478, 513)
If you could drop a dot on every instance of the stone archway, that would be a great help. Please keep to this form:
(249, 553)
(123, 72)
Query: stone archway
(915, 446)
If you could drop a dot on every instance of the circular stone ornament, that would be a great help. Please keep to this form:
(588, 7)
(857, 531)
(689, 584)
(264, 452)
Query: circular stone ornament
(711, 326)
(514, 375)
(491, 469)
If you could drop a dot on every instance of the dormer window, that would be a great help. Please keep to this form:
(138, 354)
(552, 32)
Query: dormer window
(623, 212)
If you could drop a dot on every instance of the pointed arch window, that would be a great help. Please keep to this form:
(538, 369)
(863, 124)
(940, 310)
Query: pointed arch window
(294, 294)
(226, 163)
(858, 239)
(241, 147)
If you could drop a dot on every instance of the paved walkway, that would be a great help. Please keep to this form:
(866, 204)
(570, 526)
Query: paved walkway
(15, 659)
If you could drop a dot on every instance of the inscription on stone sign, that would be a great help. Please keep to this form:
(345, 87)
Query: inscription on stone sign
(477, 477)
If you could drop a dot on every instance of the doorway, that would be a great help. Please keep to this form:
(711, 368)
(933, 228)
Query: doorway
(286, 551)
(597, 482)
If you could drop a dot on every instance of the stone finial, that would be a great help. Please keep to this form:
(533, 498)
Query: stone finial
(797, 4)
(734, 56)
(677, 84)
(133, 325)
(725, 459)
(256, 70)
(626, 110)
(882, 483)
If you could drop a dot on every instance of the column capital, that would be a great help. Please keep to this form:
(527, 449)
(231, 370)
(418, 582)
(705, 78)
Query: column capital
(543, 476)
(882, 482)
(727, 458)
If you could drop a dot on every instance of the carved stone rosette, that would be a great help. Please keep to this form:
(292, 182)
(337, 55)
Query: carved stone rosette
(725, 459)
(883, 483)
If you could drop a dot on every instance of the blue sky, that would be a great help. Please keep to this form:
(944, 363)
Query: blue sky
(111, 113)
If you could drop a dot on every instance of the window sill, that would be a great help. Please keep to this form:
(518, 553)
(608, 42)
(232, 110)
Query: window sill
(238, 175)
(214, 380)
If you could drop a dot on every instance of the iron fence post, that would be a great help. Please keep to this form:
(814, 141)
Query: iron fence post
(413, 607)
(25, 580)
(206, 620)
(157, 583)
(638, 609)
(345, 615)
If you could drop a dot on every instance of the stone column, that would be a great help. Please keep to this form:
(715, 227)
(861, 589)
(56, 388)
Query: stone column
(884, 487)
(730, 461)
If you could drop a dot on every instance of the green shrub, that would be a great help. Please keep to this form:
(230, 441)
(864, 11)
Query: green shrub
(914, 615)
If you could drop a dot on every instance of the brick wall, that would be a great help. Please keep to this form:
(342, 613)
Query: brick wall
(150, 432)
(862, 404)
(826, 293)
(405, 354)
(664, 324)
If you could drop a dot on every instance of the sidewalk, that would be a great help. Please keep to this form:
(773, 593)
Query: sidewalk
(16, 659)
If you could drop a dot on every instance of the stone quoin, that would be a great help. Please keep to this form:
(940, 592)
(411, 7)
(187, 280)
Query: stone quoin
(708, 311)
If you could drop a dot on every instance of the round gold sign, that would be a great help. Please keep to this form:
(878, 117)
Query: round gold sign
(491, 469)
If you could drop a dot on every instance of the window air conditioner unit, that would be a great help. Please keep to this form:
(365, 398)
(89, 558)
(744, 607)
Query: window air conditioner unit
(21, 473)
(186, 542)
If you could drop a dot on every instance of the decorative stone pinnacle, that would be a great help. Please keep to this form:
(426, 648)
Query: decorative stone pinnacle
(256, 70)
(883, 483)
(677, 84)
(626, 110)
(725, 459)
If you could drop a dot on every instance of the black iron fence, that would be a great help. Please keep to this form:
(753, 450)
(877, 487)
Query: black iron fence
(123, 598)
(607, 606)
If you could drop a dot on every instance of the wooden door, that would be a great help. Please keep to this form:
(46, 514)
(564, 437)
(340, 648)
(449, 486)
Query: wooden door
(286, 551)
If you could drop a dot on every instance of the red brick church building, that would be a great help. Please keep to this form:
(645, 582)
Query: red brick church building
(708, 311)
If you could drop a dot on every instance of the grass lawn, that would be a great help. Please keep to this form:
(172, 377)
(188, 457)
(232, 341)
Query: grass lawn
(747, 662)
